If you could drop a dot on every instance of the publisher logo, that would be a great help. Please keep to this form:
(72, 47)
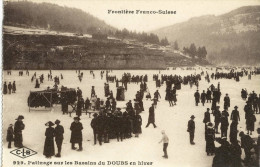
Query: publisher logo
(23, 152)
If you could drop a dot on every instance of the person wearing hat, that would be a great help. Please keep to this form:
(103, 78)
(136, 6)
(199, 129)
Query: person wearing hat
(18, 128)
(226, 102)
(197, 97)
(235, 115)
(49, 142)
(94, 126)
(217, 119)
(151, 117)
(58, 132)
(76, 134)
(191, 129)
(210, 138)
(165, 141)
(10, 135)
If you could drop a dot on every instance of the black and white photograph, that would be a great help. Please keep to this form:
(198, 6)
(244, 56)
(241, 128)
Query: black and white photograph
(121, 83)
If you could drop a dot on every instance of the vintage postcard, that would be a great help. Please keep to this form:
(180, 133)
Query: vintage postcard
(130, 83)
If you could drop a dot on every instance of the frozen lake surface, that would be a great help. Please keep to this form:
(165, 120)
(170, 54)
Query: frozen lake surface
(145, 148)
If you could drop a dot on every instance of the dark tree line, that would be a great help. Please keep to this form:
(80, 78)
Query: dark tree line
(58, 18)
(192, 51)
(143, 37)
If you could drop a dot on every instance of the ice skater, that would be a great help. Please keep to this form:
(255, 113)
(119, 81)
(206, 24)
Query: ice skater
(151, 118)
(165, 141)
(191, 129)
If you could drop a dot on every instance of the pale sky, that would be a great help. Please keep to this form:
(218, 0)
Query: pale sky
(185, 9)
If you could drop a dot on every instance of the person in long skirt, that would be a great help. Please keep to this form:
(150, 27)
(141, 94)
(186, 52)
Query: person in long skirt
(49, 140)
(5, 89)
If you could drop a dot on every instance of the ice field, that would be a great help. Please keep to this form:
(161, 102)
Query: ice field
(145, 148)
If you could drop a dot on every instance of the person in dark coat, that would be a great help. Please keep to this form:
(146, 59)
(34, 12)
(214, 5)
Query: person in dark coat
(80, 105)
(49, 142)
(209, 95)
(217, 120)
(222, 154)
(99, 128)
(233, 132)
(119, 126)
(64, 105)
(224, 125)
(214, 104)
(247, 145)
(58, 133)
(197, 97)
(235, 115)
(76, 134)
(10, 87)
(250, 123)
(137, 124)
(18, 136)
(151, 118)
(226, 102)
(210, 138)
(203, 97)
(94, 126)
(191, 129)
(10, 135)
(37, 84)
(170, 98)
(14, 87)
(5, 89)
(235, 153)
(206, 119)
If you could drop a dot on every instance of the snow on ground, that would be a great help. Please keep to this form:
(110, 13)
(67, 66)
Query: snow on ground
(145, 148)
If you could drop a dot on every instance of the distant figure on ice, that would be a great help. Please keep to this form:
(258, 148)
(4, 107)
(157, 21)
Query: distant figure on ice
(226, 102)
(18, 136)
(10, 135)
(165, 141)
(151, 118)
(217, 119)
(37, 84)
(49, 142)
(10, 88)
(76, 134)
(5, 89)
(58, 133)
(197, 97)
(14, 87)
(203, 97)
(191, 129)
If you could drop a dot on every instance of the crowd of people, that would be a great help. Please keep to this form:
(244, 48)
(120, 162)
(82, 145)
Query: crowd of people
(109, 122)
